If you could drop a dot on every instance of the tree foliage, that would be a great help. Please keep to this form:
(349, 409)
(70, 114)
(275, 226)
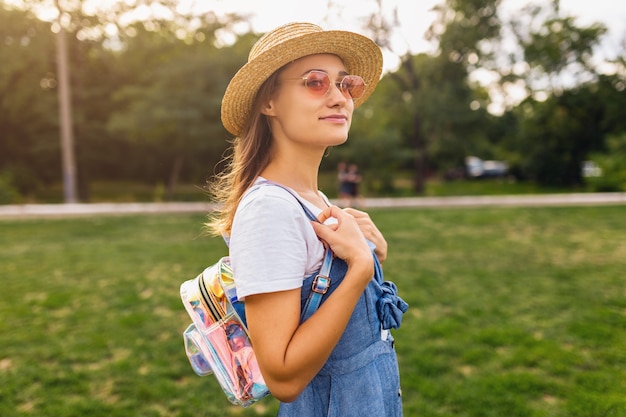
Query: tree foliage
(147, 96)
(571, 106)
(172, 105)
(29, 148)
(146, 102)
(612, 164)
(554, 137)
(556, 50)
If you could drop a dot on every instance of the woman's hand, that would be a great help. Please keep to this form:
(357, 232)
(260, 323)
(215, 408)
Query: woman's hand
(345, 237)
(370, 231)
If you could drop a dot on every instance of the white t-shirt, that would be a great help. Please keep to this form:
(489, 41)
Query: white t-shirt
(273, 246)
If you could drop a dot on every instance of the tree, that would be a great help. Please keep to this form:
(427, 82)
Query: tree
(558, 53)
(92, 31)
(612, 164)
(555, 136)
(434, 91)
(562, 119)
(174, 102)
(29, 145)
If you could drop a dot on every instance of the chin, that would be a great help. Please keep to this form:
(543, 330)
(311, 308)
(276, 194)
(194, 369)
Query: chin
(340, 136)
(338, 140)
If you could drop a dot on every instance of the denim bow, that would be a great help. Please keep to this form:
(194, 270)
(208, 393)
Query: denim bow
(390, 306)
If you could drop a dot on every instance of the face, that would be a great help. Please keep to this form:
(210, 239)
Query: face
(298, 114)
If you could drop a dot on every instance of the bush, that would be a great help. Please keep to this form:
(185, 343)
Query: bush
(613, 166)
(8, 192)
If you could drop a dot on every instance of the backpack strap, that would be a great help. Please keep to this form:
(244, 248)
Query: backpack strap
(321, 282)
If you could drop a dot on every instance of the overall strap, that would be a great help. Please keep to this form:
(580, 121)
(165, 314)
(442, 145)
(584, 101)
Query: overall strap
(320, 286)
(321, 283)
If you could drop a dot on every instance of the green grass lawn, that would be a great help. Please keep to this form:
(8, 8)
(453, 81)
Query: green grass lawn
(514, 312)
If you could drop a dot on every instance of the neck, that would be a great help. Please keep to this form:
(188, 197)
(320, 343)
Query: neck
(298, 171)
(299, 175)
(302, 181)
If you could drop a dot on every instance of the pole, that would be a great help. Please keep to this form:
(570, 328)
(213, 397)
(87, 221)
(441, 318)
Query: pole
(65, 119)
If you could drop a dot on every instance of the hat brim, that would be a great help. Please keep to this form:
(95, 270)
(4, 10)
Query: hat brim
(360, 55)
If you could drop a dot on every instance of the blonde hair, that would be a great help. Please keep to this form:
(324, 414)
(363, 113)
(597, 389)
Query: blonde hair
(249, 154)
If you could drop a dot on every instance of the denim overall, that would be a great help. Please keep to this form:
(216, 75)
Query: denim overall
(361, 377)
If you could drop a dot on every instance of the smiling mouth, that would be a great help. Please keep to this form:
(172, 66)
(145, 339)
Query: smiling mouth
(335, 118)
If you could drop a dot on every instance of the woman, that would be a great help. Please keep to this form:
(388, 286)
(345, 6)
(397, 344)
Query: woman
(292, 100)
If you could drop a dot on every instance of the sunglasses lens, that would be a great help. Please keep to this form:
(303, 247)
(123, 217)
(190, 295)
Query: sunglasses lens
(354, 85)
(317, 82)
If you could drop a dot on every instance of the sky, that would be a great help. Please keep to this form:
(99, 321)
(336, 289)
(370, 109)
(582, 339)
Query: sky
(415, 17)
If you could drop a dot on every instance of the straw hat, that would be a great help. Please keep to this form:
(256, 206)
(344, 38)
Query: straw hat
(360, 55)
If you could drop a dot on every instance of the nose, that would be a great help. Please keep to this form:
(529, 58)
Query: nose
(336, 93)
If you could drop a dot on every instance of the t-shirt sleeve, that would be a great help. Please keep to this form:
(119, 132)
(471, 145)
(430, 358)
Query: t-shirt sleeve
(268, 249)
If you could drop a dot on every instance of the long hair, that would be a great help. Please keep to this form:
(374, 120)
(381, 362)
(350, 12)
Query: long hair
(249, 154)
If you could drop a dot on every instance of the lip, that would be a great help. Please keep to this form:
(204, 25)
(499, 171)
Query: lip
(336, 118)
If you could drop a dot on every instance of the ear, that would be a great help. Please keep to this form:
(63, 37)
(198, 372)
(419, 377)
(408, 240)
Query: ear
(268, 109)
